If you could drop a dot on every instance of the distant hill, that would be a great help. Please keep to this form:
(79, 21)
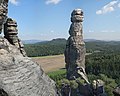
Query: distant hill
(54, 41)
(59, 40)
(63, 41)
(44, 48)
(91, 40)
(57, 46)
(31, 41)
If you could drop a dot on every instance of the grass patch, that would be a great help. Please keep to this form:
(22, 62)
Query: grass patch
(57, 75)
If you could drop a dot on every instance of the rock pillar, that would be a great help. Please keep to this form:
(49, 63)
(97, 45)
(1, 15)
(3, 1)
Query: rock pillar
(75, 47)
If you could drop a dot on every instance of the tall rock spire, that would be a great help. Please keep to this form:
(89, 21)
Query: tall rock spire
(75, 47)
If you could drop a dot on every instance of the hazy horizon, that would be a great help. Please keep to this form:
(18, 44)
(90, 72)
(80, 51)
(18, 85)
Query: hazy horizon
(66, 39)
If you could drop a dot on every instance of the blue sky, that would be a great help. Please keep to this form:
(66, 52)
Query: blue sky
(49, 19)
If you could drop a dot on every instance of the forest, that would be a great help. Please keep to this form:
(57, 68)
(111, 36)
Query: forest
(54, 47)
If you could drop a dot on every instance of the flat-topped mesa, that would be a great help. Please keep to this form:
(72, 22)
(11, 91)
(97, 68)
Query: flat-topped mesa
(11, 32)
(3, 12)
(75, 47)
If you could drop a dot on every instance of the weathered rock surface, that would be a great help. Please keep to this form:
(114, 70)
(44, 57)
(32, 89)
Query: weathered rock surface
(11, 34)
(20, 76)
(75, 47)
(3, 12)
(75, 62)
(11, 31)
(116, 91)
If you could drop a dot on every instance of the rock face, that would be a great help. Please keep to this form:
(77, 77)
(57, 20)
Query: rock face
(11, 32)
(75, 47)
(20, 76)
(3, 12)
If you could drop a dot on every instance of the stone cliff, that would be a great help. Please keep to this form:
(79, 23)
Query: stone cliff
(20, 76)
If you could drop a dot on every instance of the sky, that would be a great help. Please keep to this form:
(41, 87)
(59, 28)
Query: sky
(50, 19)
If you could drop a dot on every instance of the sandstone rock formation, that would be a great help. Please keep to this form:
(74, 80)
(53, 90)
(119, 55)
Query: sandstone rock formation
(75, 62)
(75, 47)
(98, 88)
(20, 76)
(3, 12)
(10, 32)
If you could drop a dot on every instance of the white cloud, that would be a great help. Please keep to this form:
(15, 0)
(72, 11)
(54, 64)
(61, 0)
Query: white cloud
(15, 2)
(99, 12)
(52, 1)
(109, 7)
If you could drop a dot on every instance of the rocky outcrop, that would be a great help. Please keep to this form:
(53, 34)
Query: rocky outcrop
(75, 63)
(116, 91)
(11, 31)
(75, 56)
(75, 47)
(11, 34)
(3, 12)
(20, 76)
